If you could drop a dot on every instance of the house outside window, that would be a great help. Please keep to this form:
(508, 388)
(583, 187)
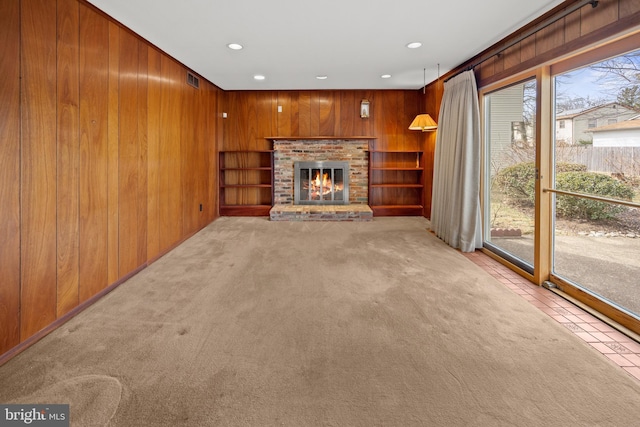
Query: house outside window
(561, 124)
(592, 123)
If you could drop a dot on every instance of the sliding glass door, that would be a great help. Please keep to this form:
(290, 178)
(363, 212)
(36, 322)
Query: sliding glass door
(596, 235)
(509, 177)
(561, 192)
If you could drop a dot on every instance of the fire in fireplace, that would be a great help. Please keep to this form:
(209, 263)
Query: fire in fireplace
(321, 183)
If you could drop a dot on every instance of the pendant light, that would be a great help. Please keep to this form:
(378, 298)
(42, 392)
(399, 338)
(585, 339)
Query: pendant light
(424, 122)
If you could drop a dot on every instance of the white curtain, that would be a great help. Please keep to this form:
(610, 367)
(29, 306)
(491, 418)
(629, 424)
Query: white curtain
(455, 206)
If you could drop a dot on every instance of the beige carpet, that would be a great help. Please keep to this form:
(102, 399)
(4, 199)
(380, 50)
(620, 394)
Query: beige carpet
(258, 323)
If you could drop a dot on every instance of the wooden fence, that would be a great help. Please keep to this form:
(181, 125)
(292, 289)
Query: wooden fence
(618, 161)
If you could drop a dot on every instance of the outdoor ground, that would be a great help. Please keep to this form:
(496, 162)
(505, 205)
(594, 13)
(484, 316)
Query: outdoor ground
(626, 223)
(601, 256)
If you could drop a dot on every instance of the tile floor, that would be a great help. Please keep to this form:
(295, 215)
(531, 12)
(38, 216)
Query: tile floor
(619, 348)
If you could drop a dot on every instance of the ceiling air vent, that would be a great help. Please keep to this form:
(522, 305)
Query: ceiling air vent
(192, 80)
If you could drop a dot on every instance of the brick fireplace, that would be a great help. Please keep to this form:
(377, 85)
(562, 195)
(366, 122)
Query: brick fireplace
(288, 152)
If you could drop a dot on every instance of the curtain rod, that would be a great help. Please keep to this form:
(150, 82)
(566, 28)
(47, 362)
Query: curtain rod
(540, 26)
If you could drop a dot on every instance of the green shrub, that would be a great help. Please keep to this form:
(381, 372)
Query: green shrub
(594, 184)
(515, 182)
(518, 181)
(570, 167)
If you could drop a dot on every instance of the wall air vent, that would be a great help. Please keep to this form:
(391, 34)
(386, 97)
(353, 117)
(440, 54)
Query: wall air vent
(192, 80)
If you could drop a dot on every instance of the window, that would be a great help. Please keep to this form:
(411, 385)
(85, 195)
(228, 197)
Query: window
(518, 133)
(606, 168)
(561, 124)
(510, 112)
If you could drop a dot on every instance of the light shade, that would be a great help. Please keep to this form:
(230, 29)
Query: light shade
(423, 122)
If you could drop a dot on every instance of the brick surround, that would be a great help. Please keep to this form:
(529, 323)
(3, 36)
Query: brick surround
(288, 152)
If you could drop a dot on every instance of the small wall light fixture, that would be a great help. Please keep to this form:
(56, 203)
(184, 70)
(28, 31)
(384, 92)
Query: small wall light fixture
(364, 108)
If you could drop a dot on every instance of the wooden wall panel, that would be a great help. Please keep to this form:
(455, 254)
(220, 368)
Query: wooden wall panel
(170, 184)
(38, 165)
(511, 56)
(329, 111)
(283, 117)
(250, 106)
(153, 154)
(595, 18)
(234, 131)
(94, 103)
(129, 152)
(550, 37)
(392, 108)
(314, 113)
(190, 161)
(143, 135)
(68, 157)
(410, 140)
(629, 7)
(295, 112)
(498, 63)
(572, 26)
(209, 193)
(214, 141)
(349, 108)
(200, 160)
(113, 154)
(10, 175)
(218, 106)
(265, 108)
(304, 114)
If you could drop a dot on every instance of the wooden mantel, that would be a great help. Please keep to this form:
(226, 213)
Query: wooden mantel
(314, 138)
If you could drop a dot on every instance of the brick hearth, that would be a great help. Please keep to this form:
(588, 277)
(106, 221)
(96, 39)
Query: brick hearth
(321, 213)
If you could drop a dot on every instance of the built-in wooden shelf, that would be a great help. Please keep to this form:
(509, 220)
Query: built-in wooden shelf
(397, 210)
(397, 169)
(396, 182)
(245, 185)
(246, 182)
(246, 169)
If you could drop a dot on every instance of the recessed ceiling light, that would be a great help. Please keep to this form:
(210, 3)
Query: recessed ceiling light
(385, 76)
(234, 46)
(259, 77)
(321, 77)
(414, 45)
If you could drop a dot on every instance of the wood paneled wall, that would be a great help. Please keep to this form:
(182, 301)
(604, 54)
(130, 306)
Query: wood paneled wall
(577, 30)
(253, 115)
(9, 175)
(106, 158)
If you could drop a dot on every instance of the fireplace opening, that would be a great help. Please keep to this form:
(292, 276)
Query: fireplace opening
(321, 183)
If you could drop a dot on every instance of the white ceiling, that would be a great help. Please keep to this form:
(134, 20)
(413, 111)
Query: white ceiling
(353, 42)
